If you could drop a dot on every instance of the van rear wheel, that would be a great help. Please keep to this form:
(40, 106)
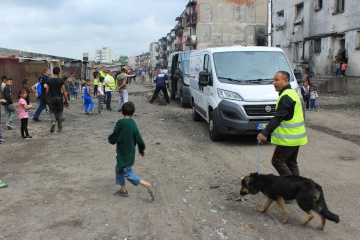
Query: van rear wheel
(195, 116)
(213, 129)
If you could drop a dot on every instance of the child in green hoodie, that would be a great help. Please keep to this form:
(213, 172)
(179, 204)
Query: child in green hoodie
(126, 135)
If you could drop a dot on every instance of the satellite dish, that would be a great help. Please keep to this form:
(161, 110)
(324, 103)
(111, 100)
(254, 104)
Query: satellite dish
(285, 43)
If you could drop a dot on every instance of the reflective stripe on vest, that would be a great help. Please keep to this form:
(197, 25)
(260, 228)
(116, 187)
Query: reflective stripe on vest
(291, 132)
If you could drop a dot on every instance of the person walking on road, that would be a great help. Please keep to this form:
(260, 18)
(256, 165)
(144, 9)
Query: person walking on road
(43, 102)
(126, 135)
(88, 102)
(109, 88)
(287, 127)
(102, 73)
(55, 91)
(36, 88)
(305, 93)
(121, 80)
(9, 108)
(161, 80)
(100, 94)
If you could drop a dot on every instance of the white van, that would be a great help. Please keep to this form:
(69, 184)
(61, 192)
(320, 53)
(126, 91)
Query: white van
(232, 87)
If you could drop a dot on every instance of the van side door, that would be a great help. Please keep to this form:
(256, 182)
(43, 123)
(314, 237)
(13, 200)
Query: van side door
(206, 90)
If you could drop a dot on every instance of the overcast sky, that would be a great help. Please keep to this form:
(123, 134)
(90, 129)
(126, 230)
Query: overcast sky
(69, 28)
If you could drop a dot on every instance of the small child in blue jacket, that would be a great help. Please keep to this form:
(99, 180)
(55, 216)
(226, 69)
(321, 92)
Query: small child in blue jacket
(126, 135)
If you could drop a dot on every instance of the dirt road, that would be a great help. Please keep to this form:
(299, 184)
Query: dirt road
(61, 184)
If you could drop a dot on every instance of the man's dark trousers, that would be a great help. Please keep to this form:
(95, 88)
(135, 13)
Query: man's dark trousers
(156, 93)
(40, 108)
(108, 100)
(285, 160)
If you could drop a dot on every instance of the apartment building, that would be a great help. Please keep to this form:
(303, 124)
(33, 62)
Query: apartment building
(104, 55)
(215, 23)
(313, 32)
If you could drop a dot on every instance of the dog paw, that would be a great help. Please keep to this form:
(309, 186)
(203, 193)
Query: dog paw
(320, 228)
(262, 210)
(304, 222)
(285, 221)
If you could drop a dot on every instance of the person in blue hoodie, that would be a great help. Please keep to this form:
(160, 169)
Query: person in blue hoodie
(161, 81)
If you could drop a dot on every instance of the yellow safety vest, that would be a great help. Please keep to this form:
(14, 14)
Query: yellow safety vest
(96, 81)
(291, 132)
(111, 83)
(102, 74)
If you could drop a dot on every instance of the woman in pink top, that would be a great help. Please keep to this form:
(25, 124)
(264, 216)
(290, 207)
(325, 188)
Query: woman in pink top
(24, 113)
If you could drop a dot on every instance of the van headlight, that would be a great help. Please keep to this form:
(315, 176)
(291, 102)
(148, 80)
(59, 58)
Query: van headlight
(223, 94)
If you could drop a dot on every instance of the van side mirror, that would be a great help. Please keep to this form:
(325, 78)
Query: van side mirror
(204, 78)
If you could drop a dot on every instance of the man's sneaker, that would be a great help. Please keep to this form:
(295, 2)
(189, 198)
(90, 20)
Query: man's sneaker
(52, 129)
(3, 185)
(60, 130)
(1, 139)
(121, 193)
(27, 137)
(36, 120)
(152, 192)
(9, 127)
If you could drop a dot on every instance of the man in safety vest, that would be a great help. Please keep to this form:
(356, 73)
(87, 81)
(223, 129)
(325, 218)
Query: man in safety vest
(110, 87)
(287, 127)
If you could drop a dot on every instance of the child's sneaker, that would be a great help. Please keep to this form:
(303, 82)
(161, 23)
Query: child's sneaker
(3, 185)
(121, 193)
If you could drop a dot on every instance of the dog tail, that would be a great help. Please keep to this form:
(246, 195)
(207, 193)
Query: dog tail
(329, 215)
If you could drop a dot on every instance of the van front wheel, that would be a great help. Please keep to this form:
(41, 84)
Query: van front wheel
(195, 116)
(213, 130)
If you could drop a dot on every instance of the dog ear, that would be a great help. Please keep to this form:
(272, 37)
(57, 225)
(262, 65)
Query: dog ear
(247, 181)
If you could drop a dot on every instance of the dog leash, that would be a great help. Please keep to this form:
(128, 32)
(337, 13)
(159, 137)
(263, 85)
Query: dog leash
(258, 159)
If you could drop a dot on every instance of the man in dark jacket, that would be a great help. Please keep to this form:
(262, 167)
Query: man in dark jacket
(43, 82)
(287, 127)
(161, 81)
(9, 108)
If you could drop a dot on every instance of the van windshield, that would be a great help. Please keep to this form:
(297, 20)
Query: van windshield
(250, 67)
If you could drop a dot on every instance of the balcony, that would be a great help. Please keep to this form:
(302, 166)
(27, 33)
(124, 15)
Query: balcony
(179, 32)
(191, 19)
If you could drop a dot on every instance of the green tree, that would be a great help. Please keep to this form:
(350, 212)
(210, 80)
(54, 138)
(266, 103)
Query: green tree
(123, 60)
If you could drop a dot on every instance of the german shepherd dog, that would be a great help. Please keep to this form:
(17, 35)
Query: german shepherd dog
(307, 193)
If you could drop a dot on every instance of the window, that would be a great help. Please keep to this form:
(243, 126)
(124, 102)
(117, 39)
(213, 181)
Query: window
(317, 45)
(299, 13)
(280, 14)
(339, 6)
(318, 4)
(298, 52)
(358, 41)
